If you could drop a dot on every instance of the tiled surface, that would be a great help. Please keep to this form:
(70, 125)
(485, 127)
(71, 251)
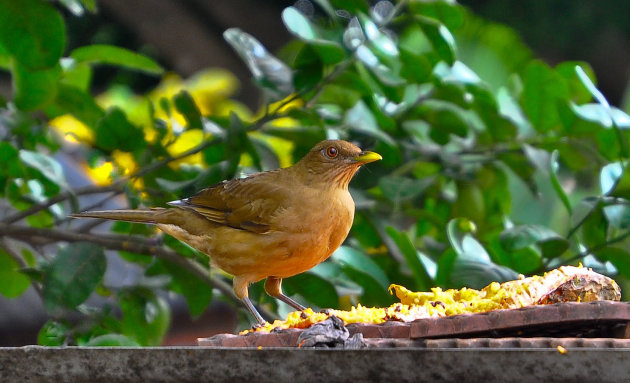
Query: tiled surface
(502, 343)
(568, 319)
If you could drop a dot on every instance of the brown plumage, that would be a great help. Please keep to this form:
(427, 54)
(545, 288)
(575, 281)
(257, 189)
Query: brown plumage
(272, 224)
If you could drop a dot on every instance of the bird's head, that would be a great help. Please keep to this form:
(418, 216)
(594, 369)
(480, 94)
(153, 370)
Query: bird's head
(334, 162)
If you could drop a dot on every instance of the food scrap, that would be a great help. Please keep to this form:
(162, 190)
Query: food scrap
(565, 284)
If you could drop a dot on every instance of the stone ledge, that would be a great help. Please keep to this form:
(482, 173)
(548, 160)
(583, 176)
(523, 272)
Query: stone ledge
(203, 364)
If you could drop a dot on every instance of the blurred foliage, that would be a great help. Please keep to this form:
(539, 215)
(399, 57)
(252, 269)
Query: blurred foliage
(494, 163)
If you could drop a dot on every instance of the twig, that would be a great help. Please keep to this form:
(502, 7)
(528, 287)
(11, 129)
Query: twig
(320, 85)
(579, 224)
(156, 165)
(91, 224)
(590, 250)
(131, 244)
(91, 189)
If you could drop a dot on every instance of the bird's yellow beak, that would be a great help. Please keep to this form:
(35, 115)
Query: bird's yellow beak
(367, 157)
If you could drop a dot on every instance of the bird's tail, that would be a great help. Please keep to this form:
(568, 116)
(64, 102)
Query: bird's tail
(142, 216)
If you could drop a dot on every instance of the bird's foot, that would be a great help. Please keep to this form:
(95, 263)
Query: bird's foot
(291, 302)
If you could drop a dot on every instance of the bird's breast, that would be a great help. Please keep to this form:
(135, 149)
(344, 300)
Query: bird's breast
(323, 227)
(301, 237)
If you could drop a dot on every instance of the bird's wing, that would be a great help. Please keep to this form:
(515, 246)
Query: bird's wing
(246, 203)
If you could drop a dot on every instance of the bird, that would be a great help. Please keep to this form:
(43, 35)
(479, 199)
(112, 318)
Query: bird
(268, 225)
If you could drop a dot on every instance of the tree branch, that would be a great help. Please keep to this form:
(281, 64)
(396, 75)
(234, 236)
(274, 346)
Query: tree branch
(127, 243)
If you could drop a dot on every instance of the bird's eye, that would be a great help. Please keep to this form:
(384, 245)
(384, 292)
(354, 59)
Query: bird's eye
(332, 152)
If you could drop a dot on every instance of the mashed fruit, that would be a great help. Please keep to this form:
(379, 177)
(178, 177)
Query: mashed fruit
(565, 284)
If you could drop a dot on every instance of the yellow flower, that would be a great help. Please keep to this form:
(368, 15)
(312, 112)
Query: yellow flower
(209, 87)
(184, 142)
(125, 161)
(71, 129)
(101, 174)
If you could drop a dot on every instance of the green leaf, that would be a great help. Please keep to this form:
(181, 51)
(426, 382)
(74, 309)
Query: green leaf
(520, 237)
(53, 333)
(352, 6)
(185, 105)
(14, 283)
(458, 231)
(309, 69)
(595, 228)
(422, 278)
(448, 12)
(48, 166)
(196, 291)
(347, 256)
(383, 73)
(74, 6)
(269, 71)
(77, 75)
(477, 274)
(590, 86)
(618, 215)
(5, 59)
(33, 32)
(620, 258)
(114, 131)
(353, 36)
(614, 180)
(458, 73)
(112, 55)
(73, 275)
(373, 292)
(578, 92)
(112, 340)
(543, 91)
(411, 97)
(90, 5)
(381, 41)
(298, 24)
(146, 317)
(610, 176)
(595, 113)
(313, 288)
(525, 261)
(9, 157)
(470, 202)
(329, 51)
(553, 176)
(441, 38)
(398, 188)
(621, 118)
(78, 103)
(360, 119)
(34, 88)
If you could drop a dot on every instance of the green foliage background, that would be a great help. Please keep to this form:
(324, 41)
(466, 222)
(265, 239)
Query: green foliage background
(494, 163)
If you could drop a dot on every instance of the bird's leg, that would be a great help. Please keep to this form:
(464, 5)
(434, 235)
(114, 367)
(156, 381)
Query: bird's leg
(253, 310)
(240, 286)
(273, 287)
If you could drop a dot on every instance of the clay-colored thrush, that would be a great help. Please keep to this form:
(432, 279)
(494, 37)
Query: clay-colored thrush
(272, 224)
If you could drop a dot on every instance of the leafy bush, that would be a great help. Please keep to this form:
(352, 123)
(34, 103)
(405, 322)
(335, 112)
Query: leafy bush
(494, 163)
